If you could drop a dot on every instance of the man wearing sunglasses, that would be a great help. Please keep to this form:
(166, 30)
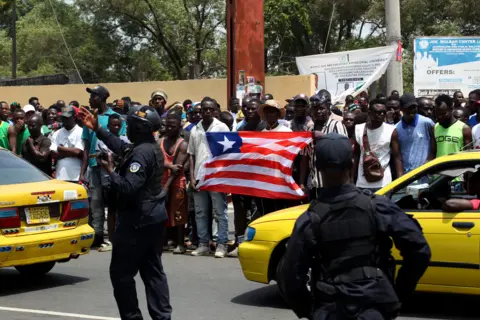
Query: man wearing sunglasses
(382, 140)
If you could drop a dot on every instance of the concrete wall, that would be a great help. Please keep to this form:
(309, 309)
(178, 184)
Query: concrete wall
(281, 87)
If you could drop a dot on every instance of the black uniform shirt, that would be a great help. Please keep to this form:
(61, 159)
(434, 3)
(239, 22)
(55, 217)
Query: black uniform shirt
(391, 220)
(131, 180)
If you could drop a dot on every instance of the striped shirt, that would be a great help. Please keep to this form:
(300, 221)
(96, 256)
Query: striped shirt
(315, 178)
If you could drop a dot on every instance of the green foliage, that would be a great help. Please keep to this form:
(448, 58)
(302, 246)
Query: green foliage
(141, 40)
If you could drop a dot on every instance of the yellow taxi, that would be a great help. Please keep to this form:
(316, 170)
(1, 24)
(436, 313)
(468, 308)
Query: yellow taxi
(454, 238)
(42, 220)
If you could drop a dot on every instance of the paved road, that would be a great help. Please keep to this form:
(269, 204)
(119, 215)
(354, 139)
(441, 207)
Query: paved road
(201, 288)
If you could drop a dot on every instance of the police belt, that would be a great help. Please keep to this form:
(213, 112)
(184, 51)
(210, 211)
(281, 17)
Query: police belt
(356, 274)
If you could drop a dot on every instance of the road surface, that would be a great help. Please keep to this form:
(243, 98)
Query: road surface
(202, 288)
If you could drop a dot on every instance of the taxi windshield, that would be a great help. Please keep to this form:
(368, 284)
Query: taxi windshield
(14, 170)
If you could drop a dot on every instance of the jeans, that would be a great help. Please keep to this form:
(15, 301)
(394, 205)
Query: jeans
(243, 207)
(220, 213)
(97, 206)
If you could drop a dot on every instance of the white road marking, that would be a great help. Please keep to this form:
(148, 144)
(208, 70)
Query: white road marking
(57, 314)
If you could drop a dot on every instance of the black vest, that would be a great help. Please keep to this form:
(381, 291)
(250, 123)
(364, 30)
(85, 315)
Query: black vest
(345, 233)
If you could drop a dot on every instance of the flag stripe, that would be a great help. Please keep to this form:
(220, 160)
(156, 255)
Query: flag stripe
(253, 192)
(283, 180)
(265, 186)
(288, 153)
(269, 161)
(224, 164)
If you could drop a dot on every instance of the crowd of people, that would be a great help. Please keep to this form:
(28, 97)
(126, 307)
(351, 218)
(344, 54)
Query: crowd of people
(390, 136)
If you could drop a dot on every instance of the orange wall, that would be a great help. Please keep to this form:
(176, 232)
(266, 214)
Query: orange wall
(281, 87)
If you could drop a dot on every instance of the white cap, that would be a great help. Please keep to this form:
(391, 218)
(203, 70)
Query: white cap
(28, 108)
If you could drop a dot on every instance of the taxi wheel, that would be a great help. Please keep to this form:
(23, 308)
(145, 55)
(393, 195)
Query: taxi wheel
(37, 269)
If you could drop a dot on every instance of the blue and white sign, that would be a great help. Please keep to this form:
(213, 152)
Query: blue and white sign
(443, 65)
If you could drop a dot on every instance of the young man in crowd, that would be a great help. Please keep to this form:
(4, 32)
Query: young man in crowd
(227, 118)
(323, 124)
(415, 135)
(362, 116)
(451, 135)
(29, 112)
(8, 134)
(6, 112)
(301, 121)
(35, 102)
(461, 114)
(199, 152)
(473, 106)
(115, 123)
(235, 111)
(458, 100)
(67, 147)
(393, 111)
(349, 123)
(98, 101)
(395, 94)
(36, 149)
(175, 155)
(382, 140)
(289, 112)
(20, 133)
(159, 101)
(425, 107)
(252, 121)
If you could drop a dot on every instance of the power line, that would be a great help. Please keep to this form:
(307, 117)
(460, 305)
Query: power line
(64, 41)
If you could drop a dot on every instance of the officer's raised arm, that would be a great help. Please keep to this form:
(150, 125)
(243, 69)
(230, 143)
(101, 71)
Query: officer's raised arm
(408, 238)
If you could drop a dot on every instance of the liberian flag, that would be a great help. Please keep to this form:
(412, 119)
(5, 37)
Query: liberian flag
(257, 164)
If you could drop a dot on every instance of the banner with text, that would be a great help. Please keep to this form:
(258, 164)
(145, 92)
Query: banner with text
(347, 72)
(443, 65)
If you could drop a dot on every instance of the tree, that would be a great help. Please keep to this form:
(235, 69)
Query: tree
(184, 31)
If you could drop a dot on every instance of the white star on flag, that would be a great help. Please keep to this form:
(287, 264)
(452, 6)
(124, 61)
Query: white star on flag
(227, 144)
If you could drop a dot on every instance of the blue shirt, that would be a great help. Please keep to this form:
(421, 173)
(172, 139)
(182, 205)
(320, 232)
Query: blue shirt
(91, 137)
(414, 140)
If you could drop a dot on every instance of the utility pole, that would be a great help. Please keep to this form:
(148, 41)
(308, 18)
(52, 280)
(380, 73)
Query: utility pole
(14, 39)
(394, 71)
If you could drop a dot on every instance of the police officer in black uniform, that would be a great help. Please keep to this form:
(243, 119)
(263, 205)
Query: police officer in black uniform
(344, 238)
(137, 242)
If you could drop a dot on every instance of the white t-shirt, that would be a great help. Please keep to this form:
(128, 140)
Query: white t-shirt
(198, 144)
(68, 168)
(379, 141)
(476, 136)
(279, 128)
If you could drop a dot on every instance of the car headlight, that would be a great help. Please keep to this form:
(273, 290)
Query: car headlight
(250, 234)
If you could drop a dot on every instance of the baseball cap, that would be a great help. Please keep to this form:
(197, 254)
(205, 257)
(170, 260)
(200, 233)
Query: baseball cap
(29, 108)
(99, 91)
(160, 93)
(319, 99)
(408, 100)
(333, 151)
(68, 111)
(301, 97)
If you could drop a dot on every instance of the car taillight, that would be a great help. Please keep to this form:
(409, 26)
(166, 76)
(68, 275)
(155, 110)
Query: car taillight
(9, 218)
(75, 210)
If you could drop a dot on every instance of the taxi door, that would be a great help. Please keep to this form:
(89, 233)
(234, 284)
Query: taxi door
(454, 240)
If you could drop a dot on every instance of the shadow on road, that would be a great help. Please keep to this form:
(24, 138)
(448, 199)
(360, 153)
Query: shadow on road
(268, 296)
(11, 282)
(442, 306)
(422, 305)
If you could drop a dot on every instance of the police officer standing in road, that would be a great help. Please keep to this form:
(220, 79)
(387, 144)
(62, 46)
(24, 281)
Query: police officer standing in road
(137, 242)
(344, 238)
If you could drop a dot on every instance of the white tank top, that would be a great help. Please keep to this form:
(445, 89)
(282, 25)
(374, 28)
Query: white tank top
(379, 140)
